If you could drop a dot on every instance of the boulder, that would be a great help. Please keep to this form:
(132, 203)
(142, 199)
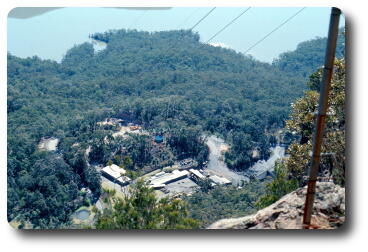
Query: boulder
(287, 213)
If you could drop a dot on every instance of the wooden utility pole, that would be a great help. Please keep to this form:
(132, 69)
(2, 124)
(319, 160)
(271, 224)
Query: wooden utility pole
(322, 109)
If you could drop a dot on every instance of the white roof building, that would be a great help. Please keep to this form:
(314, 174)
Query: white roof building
(220, 180)
(197, 173)
(167, 178)
(48, 144)
(116, 173)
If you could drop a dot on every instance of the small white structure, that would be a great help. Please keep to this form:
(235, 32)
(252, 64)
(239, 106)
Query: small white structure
(115, 174)
(220, 180)
(48, 144)
(114, 170)
(196, 174)
(110, 121)
(123, 180)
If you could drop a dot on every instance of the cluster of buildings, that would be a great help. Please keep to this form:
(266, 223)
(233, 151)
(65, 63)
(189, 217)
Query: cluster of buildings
(160, 180)
(197, 175)
(111, 122)
(185, 174)
(182, 176)
(124, 128)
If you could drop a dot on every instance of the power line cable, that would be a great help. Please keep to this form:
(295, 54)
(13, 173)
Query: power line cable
(137, 19)
(200, 21)
(230, 23)
(188, 17)
(278, 27)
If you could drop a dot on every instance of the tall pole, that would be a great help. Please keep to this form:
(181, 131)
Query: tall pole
(323, 105)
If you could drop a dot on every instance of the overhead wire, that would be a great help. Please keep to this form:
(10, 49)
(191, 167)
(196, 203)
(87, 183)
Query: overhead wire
(196, 24)
(137, 19)
(227, 25)
(278, 27)
(203, 18)
(188, 17)
(230, 23)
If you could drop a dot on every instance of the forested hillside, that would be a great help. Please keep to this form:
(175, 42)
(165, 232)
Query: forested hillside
(307, 56)
(167, 81)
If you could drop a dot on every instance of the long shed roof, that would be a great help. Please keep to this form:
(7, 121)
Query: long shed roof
(114, 171)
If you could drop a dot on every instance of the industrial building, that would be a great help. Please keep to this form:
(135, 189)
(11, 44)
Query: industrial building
(115, 174)
(196, 175)
(163, 178)
(219, 180)
(259, 172)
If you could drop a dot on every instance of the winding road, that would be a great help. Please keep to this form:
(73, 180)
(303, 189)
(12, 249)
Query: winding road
(217, 166)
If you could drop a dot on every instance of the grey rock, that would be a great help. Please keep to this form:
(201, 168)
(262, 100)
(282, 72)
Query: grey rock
(287, 213)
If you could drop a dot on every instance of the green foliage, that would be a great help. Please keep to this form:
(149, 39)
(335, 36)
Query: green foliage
(240, 154)
(138, 147)
(290, 171)
(141, 210)
(221, 202)
(127, 162)
(302, 123)
(48, 188)
(76, 58)
(187, 142)
(307, 57)
(282, 184)
(205, 185)
(133, 174)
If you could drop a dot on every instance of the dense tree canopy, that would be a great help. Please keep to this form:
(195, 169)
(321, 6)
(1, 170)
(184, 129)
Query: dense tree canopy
(140, 209)
(210, 205)
(169, 82)
(306, 58)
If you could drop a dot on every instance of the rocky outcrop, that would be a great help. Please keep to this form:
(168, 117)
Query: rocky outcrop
(287, 213)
